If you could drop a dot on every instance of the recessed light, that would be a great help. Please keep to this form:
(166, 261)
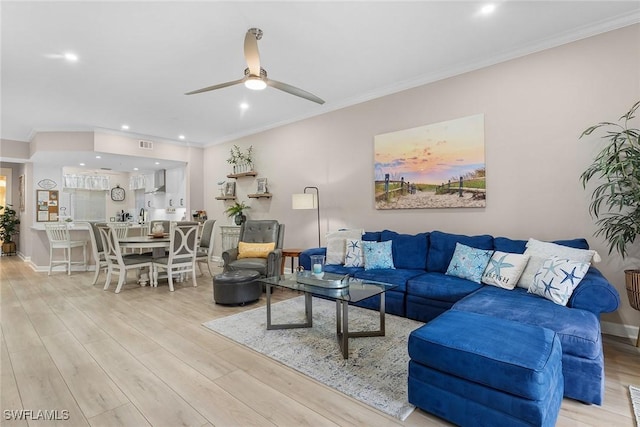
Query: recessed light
(488, 9)
(244, 106)
(124, 127)
(71, 57)
(98, 157)
(135, 169)
(157, 163)
(181, 136)
(81, 164)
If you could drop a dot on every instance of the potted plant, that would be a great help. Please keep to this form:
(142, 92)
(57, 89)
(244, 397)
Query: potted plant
(8, 228)
(615, 202)
(241, 161)
(236, 210)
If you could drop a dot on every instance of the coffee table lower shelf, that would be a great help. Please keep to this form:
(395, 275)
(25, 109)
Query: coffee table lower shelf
(342, 320)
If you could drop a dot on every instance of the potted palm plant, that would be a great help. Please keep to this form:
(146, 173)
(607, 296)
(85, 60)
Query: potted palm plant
(615, 202)
(236, 211)
(8, 228)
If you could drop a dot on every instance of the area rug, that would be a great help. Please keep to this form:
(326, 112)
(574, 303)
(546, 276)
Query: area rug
(376, 371)
(634, 393)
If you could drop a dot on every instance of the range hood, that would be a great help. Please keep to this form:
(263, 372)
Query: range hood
(159, 180)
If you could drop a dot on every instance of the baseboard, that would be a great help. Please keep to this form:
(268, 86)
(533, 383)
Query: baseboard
(618, 330)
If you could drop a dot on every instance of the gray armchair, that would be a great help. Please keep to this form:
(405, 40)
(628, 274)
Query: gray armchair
(258, 231)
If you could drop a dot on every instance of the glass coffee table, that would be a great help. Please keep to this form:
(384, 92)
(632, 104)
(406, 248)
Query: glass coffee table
(342, 289)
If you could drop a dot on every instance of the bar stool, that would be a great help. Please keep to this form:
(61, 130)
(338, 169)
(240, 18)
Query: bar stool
(60, 238)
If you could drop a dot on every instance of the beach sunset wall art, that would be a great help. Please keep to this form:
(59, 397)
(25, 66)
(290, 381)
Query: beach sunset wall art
(440, 165)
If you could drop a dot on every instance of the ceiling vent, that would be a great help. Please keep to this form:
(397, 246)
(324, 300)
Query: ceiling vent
(145, 145)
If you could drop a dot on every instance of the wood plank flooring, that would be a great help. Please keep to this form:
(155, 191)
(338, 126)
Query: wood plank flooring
(142, 358)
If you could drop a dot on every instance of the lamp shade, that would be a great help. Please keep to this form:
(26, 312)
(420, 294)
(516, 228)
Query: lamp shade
(304, 201)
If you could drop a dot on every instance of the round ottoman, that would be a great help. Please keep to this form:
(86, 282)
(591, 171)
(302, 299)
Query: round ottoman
(236, 287)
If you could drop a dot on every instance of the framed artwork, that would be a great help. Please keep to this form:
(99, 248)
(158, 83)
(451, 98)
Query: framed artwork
(230, 189)
(262, 186)
(21, 193)
(440, 165)
(47, 205)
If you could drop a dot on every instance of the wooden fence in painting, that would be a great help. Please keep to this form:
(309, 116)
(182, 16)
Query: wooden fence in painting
(450, 187)
(402, 188)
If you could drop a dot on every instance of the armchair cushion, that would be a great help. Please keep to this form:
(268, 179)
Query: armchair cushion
(255, 250)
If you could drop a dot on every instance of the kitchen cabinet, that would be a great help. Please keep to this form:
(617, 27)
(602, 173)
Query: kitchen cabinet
(175, 194)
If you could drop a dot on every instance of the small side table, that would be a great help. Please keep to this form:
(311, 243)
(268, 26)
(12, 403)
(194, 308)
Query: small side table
(291, 253)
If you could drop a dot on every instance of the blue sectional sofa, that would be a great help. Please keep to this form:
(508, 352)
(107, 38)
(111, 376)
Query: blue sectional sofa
(423, 292)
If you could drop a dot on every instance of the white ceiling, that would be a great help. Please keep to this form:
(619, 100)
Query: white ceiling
(137, 59)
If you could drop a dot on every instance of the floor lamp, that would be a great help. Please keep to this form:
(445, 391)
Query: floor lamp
(308, 201)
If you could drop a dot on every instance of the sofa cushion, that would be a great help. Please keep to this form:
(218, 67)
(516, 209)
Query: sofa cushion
(336, 244)
(441, 287)
(504, 269)
(557, 278)
(372, 236)
(579, 330)
(442, 245)
(377, 255)
(472, 346)
(409, 251)
(468, 263)
(506, 244)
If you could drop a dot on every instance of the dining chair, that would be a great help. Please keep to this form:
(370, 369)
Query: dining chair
(97, 248)
(182, 253)
(116, 262)
(205, 246)
(60, 238)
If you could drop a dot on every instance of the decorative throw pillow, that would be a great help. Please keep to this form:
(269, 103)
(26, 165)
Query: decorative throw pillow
(377, 255)
(353, 257)
(255, 250)
(337, 243)
(504, 269)
(469, 263)
(540, 251)
(557, 279)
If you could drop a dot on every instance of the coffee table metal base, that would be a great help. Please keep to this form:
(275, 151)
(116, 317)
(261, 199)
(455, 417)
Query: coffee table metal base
(342, 321)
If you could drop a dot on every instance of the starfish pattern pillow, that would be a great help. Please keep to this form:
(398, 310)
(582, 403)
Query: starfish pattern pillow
(469, 263)
(504, 269)
(377, 255)
(558, 278)
(353, 256)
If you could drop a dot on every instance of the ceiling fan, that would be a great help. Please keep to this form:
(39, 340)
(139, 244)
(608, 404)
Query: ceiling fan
(255, 77)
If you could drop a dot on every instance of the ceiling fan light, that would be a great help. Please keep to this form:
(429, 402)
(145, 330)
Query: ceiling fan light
(255, 83)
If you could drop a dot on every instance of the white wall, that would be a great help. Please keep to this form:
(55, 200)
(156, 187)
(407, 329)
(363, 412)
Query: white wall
(535, 109)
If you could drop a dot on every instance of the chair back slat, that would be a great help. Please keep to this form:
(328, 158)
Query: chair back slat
(57, 232)
(120, 228)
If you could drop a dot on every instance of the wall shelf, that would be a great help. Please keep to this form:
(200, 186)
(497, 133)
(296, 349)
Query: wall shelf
(259, 196)
(243, 174)
(226, 198)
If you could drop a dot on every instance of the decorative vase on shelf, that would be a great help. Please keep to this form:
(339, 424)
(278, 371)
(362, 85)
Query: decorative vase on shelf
(240, 219)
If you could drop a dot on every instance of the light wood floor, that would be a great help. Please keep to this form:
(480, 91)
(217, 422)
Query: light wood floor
(142, 358)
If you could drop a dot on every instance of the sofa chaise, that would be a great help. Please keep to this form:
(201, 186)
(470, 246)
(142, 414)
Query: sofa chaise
(424, 290)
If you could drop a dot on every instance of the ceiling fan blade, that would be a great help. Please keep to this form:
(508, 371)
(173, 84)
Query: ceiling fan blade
(251, 54)
(218, 86)
(294, 91)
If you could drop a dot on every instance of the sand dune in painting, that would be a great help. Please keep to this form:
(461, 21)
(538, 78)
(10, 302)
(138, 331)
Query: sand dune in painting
(430, 199)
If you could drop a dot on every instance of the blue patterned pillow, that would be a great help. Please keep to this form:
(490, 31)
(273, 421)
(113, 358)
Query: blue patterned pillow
(469, 263)
(377, 255)
(557, 279)
(353, 256)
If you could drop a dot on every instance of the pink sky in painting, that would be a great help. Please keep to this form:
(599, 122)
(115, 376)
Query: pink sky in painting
(431, 154)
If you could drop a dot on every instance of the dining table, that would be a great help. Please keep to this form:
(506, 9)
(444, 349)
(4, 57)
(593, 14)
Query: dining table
(158, 245)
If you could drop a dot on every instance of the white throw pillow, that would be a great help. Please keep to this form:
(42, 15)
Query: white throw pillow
(504, 269)
(337, 244)
(540, 251)
(353, 257)
(557, 279)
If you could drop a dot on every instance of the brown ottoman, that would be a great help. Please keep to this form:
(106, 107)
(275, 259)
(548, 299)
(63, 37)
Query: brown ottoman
(236, 287)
